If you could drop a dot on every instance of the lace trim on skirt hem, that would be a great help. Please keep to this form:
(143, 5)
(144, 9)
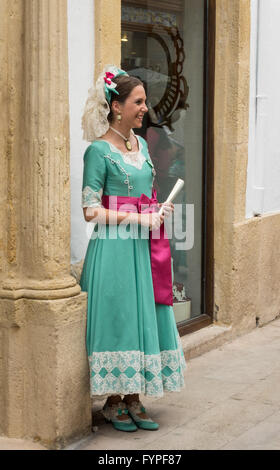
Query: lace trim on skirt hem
(128, 372)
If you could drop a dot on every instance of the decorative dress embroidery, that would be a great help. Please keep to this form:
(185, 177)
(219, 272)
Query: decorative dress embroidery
(126, 181)
(136, 159)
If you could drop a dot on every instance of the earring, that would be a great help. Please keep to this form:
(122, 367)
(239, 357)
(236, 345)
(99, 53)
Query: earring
(119, 117)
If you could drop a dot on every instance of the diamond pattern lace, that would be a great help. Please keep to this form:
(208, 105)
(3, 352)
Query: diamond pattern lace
(128, 372)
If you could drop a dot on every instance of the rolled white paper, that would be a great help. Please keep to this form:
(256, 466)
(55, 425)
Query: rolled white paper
(177, 188)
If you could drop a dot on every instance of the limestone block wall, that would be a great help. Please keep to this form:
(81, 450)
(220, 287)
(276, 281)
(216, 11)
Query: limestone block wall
(246, 250)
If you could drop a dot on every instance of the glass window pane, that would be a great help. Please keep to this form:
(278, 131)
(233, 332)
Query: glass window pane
(163, 45)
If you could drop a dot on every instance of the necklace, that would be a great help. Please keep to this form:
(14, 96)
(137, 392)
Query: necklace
(127, 142)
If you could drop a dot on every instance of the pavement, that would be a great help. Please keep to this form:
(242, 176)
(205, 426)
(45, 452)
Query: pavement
(231, 401)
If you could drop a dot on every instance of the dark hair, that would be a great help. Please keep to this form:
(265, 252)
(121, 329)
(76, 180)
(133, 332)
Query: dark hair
(125, 85)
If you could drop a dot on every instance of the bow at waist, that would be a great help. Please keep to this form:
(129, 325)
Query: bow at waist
(159, 245)
(140, 204)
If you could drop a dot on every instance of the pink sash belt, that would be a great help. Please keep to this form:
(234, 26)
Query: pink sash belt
(160, 248)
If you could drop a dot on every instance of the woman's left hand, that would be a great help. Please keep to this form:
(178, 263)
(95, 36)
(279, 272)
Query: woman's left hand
(168, 208)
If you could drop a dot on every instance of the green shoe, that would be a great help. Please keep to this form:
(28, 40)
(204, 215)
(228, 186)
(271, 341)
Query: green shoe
(111, 414)
(136, 408)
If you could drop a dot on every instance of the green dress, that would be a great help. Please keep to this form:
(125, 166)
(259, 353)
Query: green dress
(133, 344)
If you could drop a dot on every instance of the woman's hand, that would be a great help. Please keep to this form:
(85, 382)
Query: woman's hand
(168, 208)
(152, 220)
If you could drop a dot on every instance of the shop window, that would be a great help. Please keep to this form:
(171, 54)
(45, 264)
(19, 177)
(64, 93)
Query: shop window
(163, 43)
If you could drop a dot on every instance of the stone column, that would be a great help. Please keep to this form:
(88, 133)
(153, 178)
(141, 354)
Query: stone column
(44, 382)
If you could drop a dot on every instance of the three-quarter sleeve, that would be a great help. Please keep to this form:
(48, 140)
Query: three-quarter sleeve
(94, 176)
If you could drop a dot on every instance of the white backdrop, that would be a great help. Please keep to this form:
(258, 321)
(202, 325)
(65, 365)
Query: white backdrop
(263, 181)
(81, 72)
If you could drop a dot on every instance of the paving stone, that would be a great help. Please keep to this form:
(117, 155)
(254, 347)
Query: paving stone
(264, 391)
(263, 436)
(231, 417)
(187, 439)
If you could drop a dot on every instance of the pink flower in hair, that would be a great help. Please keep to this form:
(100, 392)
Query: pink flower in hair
(108, 77)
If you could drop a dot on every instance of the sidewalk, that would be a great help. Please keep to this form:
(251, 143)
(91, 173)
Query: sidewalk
(231, 401)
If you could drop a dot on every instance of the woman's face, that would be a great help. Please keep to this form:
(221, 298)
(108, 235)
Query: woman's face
(134, 108)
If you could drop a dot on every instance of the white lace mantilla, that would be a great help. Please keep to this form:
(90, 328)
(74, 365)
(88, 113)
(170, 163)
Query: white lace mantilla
(128, 372)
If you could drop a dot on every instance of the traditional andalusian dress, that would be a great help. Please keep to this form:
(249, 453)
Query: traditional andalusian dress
(132, 340)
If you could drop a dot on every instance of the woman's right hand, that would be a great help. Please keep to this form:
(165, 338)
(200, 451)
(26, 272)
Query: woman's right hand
(152, 220)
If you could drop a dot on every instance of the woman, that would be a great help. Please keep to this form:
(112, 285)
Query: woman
(132, 340)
